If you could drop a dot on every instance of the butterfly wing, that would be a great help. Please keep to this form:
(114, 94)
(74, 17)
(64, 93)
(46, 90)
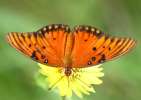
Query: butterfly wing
(46, 46)
(92, 47)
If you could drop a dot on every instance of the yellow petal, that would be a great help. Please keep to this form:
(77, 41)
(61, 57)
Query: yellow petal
(80, 81)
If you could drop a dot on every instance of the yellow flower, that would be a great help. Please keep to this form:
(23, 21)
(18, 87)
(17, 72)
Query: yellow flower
(80, 81)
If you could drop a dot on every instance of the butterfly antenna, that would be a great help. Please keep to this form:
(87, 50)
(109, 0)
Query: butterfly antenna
(82, 81)
(68, 81)
(52, 86)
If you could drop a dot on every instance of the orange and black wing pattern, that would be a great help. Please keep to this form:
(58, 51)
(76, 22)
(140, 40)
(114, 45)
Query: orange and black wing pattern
(57, 46)
(92, 46)
(46, 46)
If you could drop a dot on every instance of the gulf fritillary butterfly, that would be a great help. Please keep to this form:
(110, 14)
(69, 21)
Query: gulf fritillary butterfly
(56, 45)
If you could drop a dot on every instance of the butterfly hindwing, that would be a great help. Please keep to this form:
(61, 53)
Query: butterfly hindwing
(46, 46)
(56, 46)
(92, 46)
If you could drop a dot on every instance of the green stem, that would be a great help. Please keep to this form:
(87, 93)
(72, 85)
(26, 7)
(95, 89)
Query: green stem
(64, 98)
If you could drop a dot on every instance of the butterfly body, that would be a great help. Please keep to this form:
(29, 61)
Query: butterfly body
(56, 45)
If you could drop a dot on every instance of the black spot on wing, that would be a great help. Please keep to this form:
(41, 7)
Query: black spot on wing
(29, 45)
(93, 58)
(94, 48)
(43, 47)
(109, 48)
(33, 55)
(43, 56)
(102, 59)
(46, 61)
(89, 62)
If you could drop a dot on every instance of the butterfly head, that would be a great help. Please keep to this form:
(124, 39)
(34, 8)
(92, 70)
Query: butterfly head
(68, 71)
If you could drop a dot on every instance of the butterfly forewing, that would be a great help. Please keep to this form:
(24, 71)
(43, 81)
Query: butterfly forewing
(46, 46)
(92, 47)
(56, 46)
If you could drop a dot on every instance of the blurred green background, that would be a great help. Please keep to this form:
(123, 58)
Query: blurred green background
(122, 80)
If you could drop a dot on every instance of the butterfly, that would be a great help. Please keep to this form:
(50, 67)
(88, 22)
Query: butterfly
(57, 45)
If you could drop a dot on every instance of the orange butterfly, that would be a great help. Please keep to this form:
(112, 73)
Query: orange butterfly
(56, 45)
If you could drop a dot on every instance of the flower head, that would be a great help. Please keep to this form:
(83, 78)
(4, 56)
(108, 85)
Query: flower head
(80, 81)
